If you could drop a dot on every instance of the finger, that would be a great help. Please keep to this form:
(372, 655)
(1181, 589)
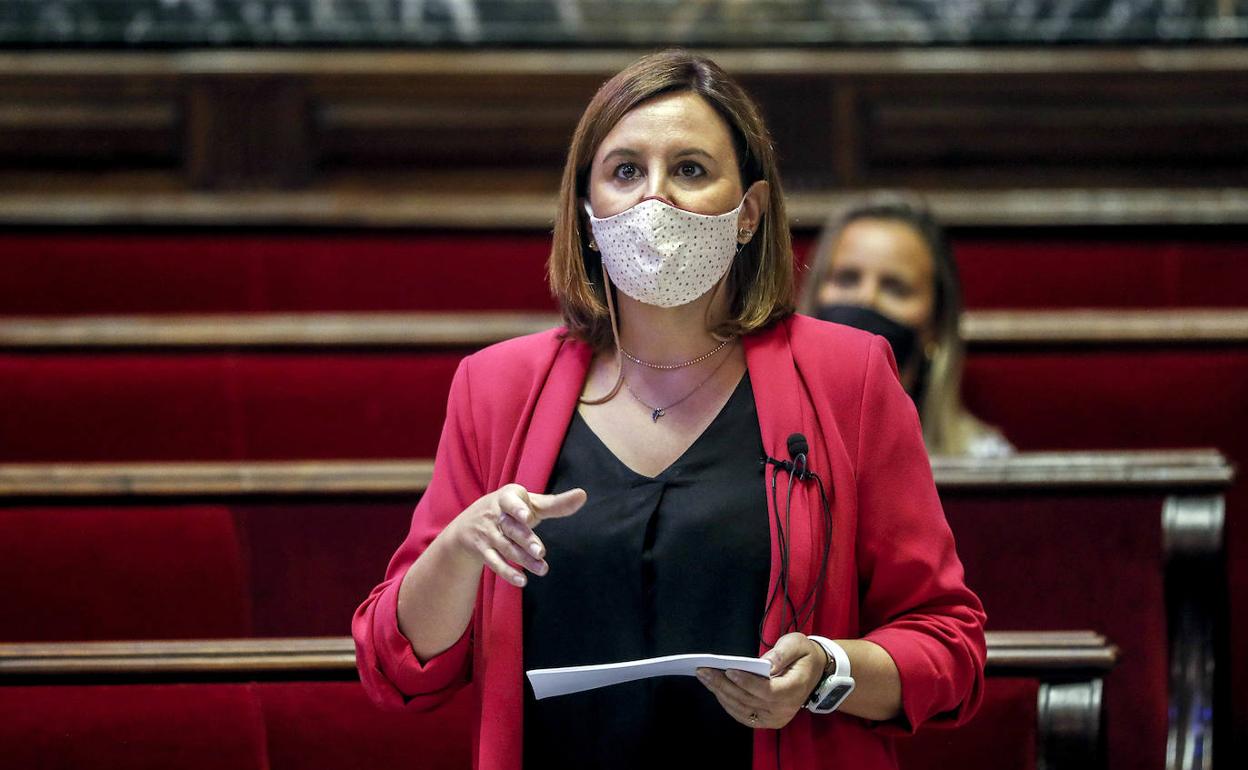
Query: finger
(742, 713)
(719, 684)
(557, 506)
(515, 554)
(756, 686)
(513, 500)
(509, 573)
(522, 536)
(789, 649)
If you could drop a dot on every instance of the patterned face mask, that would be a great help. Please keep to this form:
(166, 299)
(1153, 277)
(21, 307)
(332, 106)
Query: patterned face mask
(665, 256)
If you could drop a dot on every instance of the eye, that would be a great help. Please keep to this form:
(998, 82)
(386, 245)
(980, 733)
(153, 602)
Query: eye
(844, 279)
(690, 169)
(897, 288)
(627, 171)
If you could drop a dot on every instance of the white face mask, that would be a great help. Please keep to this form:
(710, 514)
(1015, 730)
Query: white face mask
(661, 255)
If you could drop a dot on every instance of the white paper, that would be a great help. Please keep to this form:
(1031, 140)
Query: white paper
(548, 682)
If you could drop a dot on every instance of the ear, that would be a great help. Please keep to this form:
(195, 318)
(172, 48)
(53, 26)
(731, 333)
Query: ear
(583, 226)
(753, 207)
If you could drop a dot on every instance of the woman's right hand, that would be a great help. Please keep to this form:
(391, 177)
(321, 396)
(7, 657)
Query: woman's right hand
(497, 529)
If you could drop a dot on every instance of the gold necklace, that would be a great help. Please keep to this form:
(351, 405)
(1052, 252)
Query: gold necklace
(660, 411)
(682, 364)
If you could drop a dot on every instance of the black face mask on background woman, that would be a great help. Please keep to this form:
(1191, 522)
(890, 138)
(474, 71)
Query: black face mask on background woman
(901, 338)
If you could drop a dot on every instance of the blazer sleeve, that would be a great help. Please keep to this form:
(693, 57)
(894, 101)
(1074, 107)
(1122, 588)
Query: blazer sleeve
(913, 596)
(389, 670)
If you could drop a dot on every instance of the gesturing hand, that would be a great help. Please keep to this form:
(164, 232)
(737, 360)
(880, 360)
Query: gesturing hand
(797, 666)
(498, 528)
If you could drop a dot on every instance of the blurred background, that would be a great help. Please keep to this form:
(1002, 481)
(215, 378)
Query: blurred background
(243, 245)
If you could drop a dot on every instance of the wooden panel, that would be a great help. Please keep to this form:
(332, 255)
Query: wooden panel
(500, 122)
(1103, 121)
(927, 118)
(95, 119)
(247, 132)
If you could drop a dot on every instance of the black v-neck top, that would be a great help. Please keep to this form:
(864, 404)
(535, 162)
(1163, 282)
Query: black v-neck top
(673, 564)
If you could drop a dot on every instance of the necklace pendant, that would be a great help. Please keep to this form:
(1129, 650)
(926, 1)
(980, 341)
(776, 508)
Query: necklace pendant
(656, 414)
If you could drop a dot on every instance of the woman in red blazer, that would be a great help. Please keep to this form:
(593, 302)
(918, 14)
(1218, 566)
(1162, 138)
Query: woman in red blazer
(681, 365)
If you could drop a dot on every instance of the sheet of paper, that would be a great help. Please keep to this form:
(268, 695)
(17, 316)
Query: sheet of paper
(548, 682)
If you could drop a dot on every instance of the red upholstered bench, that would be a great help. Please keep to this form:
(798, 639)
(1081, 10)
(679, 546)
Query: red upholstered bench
(222, 405)
(1003, 734)
(1048, 541)
(60, 273)
(291, 704)
(1127, 550)
(55, 273)
(71, 571)
(179, 569)
(248, 726)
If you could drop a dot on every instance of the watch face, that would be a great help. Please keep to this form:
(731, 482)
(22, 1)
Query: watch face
(835, 696)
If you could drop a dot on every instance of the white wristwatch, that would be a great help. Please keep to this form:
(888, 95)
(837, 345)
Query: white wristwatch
(835, 686)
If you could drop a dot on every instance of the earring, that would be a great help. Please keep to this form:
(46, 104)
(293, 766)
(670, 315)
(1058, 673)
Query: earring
(593, 245)
(745, 234)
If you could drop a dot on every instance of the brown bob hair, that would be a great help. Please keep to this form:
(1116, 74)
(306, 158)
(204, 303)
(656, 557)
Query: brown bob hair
(760, 281)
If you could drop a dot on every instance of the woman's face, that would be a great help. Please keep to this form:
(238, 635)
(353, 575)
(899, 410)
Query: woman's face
(675, 148)
(884, 265)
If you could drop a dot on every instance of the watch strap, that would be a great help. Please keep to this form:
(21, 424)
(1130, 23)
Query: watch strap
(836, 654)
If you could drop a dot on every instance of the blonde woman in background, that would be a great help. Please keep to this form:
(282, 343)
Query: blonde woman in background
(885, 266)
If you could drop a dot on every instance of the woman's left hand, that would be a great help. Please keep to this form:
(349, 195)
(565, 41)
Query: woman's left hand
(797, 665)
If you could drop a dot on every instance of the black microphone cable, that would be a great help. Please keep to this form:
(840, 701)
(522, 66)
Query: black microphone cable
(803, 613)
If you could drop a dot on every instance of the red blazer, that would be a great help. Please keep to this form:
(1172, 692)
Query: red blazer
(895, 577)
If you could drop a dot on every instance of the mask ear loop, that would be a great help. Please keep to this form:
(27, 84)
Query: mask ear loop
(615, 334)
(706, 316)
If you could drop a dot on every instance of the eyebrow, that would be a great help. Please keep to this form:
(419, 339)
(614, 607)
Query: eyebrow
(694, 151)
(628, 152)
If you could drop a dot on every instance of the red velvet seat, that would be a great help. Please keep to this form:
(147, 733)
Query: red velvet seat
(71, 274)
(311, 561)
(1048, 562)
(55, 273)
(201, 406)
(82, 573)
(132, 727)
(269, 726)
(1116, 268)
(1001, 735)
(268, 568)
(318, 725)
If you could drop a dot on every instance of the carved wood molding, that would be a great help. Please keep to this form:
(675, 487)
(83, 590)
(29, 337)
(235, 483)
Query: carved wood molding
(1136, 469)
(1034, 653)
(1169, 470)
(365, 205)
(604, 63)
(471, 330)
(1062, 327)
(201, 479)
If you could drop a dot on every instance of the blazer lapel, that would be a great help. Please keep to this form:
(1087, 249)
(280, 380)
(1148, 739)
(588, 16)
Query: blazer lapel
(534, 452)
(780, 399)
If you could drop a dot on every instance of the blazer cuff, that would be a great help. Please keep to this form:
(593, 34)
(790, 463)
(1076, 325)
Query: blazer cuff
(398, 661)
(919, 674)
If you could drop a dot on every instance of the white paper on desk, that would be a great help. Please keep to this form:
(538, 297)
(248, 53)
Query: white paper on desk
(548, 682)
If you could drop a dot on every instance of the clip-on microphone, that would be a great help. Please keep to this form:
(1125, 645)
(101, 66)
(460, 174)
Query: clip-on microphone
(798, 449)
